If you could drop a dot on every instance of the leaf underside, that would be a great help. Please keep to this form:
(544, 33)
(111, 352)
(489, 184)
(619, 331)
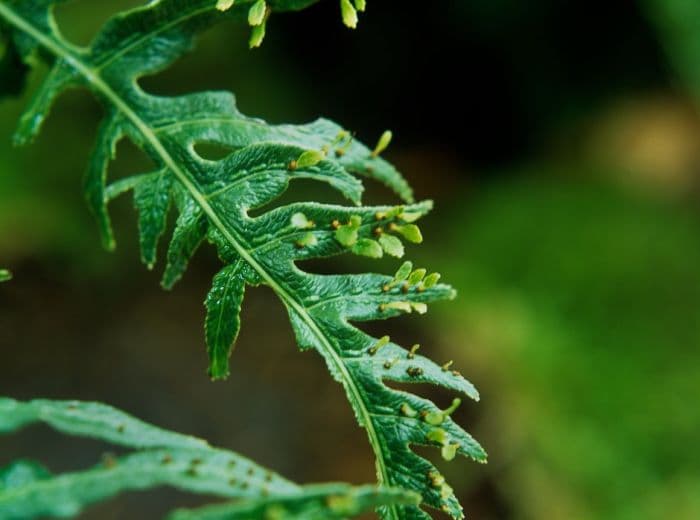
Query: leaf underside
(29, 490)
(213, 200)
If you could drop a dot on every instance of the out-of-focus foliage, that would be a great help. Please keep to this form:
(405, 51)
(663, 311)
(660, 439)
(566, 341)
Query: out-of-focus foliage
(582, 304)
(678, 22)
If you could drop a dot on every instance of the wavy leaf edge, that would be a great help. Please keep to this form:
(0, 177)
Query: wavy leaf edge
(214, 197)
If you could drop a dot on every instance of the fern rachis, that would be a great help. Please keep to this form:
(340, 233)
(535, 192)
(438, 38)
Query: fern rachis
(214, 198)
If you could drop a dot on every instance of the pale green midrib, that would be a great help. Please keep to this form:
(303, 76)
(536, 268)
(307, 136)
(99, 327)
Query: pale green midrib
(221, 191)
(262, 170)
(121, 52)
(106, 91)
(154, 470)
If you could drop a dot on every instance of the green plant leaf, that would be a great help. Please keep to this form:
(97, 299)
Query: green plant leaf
(29, 490)
(348, 13)
(92, 420)
(321, 502)
(391, 245)
(677, 25)
(223, 316)
(214, 199)
(152, 200)
(368, 247)
(5, 275)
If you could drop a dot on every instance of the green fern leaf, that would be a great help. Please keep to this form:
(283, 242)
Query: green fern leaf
(29, 490)
(320, 502)
(152, 200)
(214, 199)
(223, 322)
(5, 275)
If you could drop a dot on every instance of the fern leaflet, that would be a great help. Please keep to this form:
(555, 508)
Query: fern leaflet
(28, 490)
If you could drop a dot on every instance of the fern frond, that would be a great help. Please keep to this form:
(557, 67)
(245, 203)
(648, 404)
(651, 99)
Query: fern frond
(5, 275)
(214, 198)
(29, 490)
(318, 502)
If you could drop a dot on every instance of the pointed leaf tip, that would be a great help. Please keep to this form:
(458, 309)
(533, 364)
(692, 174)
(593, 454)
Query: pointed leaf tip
(431, 280)
(410, 232)
(404, 271)
(152, 201)
(383, 143)
(224, 5)
(416, 276)
(349, 14)
(223, 323)
(257, 35)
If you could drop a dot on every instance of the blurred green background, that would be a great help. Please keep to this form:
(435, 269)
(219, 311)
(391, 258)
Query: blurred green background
(561, 143)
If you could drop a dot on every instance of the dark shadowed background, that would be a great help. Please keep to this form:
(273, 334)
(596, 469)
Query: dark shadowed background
(561, 143)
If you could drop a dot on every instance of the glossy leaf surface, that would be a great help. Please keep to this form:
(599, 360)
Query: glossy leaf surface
(214, 199)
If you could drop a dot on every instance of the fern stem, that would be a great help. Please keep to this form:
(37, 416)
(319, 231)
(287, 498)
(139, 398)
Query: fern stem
(93, 77)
